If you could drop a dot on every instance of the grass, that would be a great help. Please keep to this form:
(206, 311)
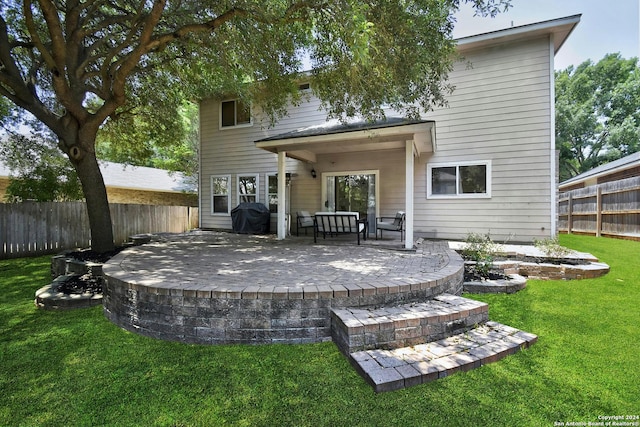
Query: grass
(76, 368)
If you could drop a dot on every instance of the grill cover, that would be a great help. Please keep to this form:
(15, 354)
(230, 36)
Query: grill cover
(250, 218)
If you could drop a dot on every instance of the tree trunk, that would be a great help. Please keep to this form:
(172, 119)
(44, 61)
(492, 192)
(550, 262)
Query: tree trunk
(95, 194)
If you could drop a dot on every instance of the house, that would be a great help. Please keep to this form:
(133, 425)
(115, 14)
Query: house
(135, 185)
(484, 164)
(626, 167)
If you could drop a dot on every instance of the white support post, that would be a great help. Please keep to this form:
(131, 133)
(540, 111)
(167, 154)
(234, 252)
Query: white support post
(282, 191)
(408, 197)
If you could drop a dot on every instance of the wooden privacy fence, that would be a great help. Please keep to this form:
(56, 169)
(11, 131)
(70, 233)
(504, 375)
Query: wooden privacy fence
(610, 209)
(34, 228)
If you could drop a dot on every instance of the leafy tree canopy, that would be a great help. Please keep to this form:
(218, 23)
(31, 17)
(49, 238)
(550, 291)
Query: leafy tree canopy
(39, 170)
(77, 64)
(597, 113)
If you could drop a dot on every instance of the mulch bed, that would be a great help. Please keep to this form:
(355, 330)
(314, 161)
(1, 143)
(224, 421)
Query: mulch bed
(81, 285)
(92, 256)
(87, 283)
(471, 274)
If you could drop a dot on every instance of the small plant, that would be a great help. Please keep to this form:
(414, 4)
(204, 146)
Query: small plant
(480, 248)
(551, 247)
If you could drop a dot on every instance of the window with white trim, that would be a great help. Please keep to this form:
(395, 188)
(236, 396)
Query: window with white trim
(463, 180)
(272, 192)
(220, 194)
(247, 188)
(234, 113)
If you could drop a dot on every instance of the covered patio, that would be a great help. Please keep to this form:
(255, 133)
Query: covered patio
(414, 137)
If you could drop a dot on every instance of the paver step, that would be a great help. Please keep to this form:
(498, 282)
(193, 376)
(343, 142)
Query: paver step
(387, 370)
(357, 329)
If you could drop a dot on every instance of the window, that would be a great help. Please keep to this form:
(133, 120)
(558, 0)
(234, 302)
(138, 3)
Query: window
(220, 194)
(234, 113)
(247, 188)
(272, 193)
(466, 179)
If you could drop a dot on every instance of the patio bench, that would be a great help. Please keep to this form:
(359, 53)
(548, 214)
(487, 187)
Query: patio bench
(335, 223)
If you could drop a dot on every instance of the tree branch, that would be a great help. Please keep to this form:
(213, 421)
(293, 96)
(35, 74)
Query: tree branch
(35, 37)
(118, 76)
(14, 86)
(166, 38)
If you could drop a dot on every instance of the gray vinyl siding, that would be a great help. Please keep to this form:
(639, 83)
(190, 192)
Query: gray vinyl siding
(500, 112)
(232, 152)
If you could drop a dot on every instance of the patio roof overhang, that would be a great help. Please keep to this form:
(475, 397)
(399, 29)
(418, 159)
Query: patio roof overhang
(355, 136)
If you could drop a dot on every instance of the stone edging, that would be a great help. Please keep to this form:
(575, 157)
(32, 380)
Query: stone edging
(227, 315)
(50, 298)
(549, 271)
(501, 286)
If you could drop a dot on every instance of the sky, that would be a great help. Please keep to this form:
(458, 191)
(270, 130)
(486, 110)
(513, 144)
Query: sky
(606, 26)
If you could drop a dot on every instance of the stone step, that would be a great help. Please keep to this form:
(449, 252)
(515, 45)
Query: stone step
(514, 284)
(387, 370)
(357, 329)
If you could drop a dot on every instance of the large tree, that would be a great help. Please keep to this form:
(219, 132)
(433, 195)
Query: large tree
(75, 64)
(597, 113)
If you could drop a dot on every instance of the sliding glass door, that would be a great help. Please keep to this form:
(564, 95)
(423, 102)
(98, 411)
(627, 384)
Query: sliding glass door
(355, 191)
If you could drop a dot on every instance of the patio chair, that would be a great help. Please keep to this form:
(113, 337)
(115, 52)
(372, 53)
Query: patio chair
(304, 220)
(391, 223)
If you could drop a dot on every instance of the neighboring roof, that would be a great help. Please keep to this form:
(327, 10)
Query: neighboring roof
(117, 175)
(4, 170)
(617, 165)
(143, 178)
(335, 126)
(561, 28)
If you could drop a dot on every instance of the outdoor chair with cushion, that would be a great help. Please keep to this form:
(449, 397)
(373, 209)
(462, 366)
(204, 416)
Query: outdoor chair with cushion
(304, 220)
(395, 223)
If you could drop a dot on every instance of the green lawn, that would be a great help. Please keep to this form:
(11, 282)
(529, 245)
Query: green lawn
(76, 368)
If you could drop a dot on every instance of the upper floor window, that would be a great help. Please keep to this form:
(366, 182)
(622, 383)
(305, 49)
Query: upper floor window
(234, 113)
(220, 194)
(247, 188)
(464, 179)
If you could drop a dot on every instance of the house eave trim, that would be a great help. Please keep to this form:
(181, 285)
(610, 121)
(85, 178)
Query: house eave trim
(422, 133)
(561, 28)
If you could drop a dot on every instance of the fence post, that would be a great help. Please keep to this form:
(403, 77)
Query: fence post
(569, 211)
(599, 211)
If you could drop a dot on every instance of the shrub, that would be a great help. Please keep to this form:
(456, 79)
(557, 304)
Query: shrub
(480, 248)
(551, 247)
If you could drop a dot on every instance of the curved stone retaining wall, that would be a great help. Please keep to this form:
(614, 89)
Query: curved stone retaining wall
(195, 314)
